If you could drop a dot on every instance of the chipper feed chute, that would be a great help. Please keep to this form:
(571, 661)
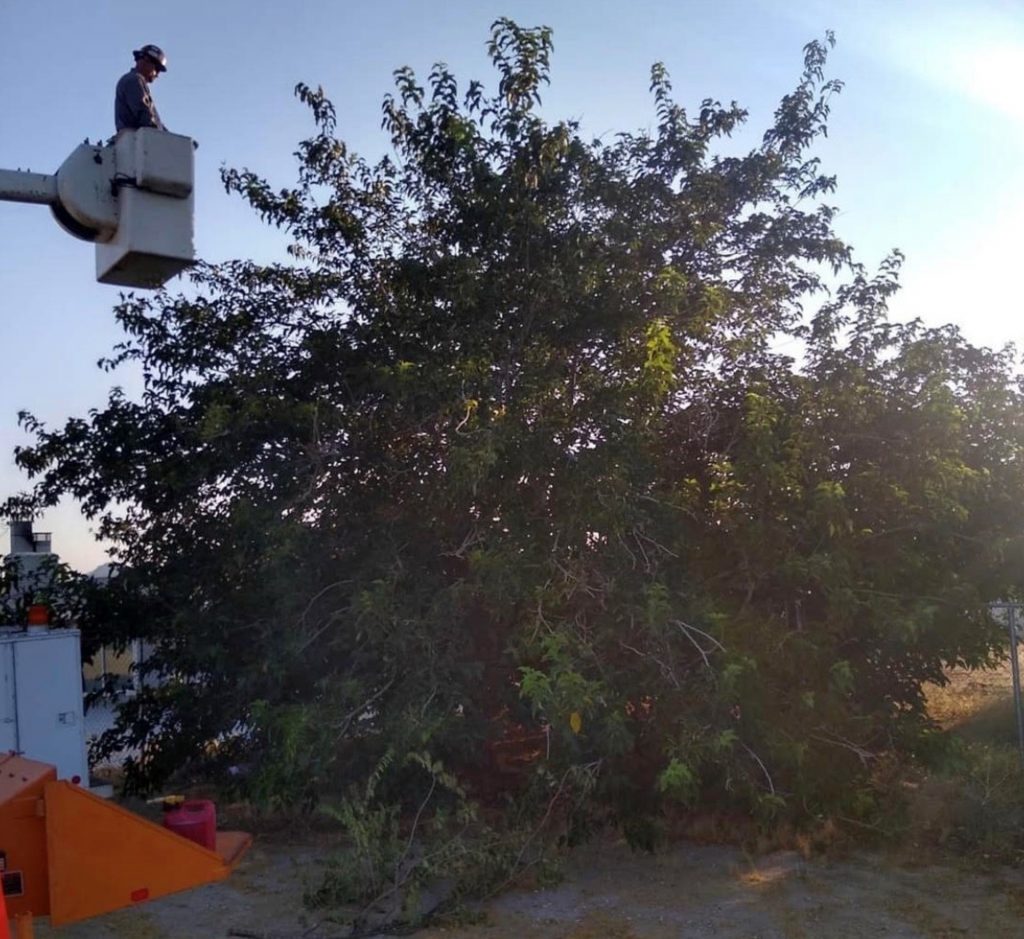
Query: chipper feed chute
(77, 856)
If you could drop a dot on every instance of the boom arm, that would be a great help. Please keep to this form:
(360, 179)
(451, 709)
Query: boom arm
(21, 186)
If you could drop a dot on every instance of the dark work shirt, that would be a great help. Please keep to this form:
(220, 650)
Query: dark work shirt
(133, 105)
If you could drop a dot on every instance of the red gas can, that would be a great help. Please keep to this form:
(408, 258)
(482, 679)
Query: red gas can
(195, 820)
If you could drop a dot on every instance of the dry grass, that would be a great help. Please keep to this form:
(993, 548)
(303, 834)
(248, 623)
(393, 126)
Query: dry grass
(971, 803)
(976, 704)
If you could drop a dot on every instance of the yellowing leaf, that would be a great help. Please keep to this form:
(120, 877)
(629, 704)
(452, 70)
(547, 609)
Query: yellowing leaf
(575, 722)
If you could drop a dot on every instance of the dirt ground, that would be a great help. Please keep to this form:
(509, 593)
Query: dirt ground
(690, 891)
(611, 893)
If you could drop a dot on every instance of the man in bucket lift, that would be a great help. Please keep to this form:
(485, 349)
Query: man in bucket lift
(133, 103)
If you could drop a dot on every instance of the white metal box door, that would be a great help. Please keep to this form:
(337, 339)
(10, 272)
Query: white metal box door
(8, 701)
(48, 685)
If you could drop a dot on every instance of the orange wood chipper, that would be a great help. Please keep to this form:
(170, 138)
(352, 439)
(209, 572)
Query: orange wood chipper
(70, 855)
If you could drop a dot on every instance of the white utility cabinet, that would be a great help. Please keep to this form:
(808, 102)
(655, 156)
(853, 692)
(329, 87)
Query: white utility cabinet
(41, 713)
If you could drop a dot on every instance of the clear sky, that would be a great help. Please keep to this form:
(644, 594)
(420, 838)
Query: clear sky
(927, 138)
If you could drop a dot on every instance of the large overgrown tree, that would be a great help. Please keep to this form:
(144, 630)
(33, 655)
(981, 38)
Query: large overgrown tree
(508, 462)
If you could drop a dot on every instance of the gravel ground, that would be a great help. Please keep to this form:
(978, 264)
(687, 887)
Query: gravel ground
(611, 893)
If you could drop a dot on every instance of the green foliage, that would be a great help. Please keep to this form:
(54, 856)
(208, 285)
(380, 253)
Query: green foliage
(73, 599)
(297, 743)
(678, 782)
(413, 854)
(971, 802)
(988, 817)
(508, 455)
(63, 590)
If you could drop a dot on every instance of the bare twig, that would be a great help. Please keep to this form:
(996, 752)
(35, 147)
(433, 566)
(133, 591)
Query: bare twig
(395, 927)
(862, 754)
(665, 669)
(625, 547)
(547, 814)
(518, 866)
(637, 534)
(670, 505)
(426, 703)
(318, 595)
(470, 408)
(412, 831)
(473, 536)
(764, 769)
(362, 708)
(867, 825)
(648, 566)
(687, 630)
(574, 579)
(318, 633)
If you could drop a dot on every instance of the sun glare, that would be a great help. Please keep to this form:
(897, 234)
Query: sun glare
(992, 73)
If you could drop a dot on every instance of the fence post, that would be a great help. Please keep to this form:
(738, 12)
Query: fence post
(1015, 669)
